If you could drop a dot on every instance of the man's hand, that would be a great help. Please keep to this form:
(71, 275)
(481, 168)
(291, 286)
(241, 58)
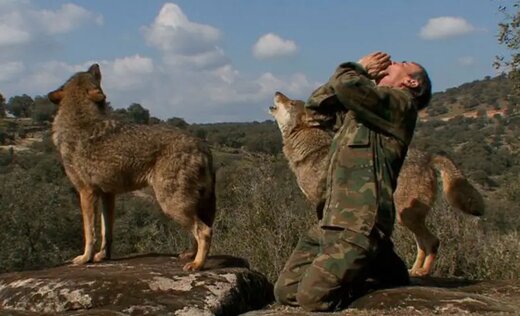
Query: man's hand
(375, 64)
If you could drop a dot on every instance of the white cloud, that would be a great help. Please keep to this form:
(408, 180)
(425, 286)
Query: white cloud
(10, 70)
(173, 33)
(67, 18)
(46, 76)
(20, 22)
(193, 78)
(467, 60)
(220, 94)
(445, 27)
(127, 73)
(206, 60)
(10, 35)
(271, 45)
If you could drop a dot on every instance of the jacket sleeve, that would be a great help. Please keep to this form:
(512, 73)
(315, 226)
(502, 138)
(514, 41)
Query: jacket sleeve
(384, 109)
(323, 109)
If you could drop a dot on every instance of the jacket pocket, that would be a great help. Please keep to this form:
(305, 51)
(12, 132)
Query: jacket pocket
(361, 137)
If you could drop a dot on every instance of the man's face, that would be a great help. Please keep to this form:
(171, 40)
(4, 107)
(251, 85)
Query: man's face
(399, 75)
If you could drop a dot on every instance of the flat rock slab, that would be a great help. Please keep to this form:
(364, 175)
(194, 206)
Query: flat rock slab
(151, 284)
(428, 296)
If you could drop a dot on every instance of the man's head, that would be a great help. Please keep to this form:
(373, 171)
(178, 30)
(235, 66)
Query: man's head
(411, 76)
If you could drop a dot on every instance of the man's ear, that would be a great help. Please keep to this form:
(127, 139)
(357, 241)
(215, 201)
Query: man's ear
(56, 96)
(96, 95)
(94, 70)
(411, 83)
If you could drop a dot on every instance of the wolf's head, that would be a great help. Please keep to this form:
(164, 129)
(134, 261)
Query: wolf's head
(81, 86)
(289, 114)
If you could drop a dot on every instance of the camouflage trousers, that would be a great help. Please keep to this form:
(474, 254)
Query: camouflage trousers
(330, 267)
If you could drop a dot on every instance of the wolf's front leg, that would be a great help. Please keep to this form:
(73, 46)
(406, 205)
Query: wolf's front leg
(107, 227)
(89, 201)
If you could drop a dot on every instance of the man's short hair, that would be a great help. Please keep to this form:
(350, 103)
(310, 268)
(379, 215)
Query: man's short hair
(423, 93)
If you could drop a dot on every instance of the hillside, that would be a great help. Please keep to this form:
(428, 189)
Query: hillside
(258, 200)
(488, 94)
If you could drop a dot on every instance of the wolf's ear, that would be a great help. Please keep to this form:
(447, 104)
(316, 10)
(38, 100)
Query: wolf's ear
(96, 95)
(278, 96)
(94, 70)
(56, 96)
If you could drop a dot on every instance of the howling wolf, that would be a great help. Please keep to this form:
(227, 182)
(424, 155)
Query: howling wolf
(103, 157)
(306, 148)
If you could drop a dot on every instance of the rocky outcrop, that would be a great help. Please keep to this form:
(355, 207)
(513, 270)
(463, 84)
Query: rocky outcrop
(428, 296)
(156, 285)
(141, 285)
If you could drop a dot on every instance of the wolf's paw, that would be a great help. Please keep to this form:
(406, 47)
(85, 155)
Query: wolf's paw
(419, 272)
(100, 256)
(187, 255)
(80, 260)
(192, 266)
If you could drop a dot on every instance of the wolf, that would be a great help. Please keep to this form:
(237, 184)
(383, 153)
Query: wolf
(103, 157)
(306, 147)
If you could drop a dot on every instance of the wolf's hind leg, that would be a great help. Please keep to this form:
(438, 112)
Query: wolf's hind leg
(419, 258)
(413, 218)
(183, 208)
(107, 227)
(189, 253)
(432, 246)
(202, 233)
(89, 202)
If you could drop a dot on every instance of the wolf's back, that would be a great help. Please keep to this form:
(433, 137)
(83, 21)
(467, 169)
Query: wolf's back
(458, 191)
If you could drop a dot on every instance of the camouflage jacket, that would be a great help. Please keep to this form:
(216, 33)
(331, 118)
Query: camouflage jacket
(376, 125)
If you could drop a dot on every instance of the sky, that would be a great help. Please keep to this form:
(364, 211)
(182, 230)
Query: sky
(212, 61)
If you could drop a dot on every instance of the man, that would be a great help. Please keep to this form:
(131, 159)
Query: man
(375, 101)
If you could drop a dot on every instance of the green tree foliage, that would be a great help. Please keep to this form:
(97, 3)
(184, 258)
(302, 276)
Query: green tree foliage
(509, 36)
(2, 106)
(44, 110)
(177, 122)
(256, 136)
(138, 114)
(20, 105)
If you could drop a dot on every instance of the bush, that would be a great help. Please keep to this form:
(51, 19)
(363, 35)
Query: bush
(36, 223)
(261, 214)
(471, 247)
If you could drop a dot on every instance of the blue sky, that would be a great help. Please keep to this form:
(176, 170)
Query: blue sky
(222, 61)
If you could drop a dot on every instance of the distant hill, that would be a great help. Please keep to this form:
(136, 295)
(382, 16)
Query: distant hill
(493, 95)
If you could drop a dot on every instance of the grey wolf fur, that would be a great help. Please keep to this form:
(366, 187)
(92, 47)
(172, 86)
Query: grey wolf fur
(306, 148)
(104, 157)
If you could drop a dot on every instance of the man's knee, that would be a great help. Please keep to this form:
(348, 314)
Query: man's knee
(320, 288)
(314, 303)
(281, 293)
(285, 292)
(328, 281)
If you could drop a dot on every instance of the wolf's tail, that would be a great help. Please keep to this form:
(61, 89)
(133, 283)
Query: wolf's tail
(459, 193)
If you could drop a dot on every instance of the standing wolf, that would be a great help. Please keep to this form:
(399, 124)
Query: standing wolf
(104, 157)
(306, 148)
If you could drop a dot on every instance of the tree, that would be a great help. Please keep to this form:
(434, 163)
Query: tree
(177, 122)
(138, 114)
(509, 35)
(2, 106)
(154, 120)
(44, 109)
(20, 105)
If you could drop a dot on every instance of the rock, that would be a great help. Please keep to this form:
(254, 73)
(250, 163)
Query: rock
(150, 284)
(427, 296)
